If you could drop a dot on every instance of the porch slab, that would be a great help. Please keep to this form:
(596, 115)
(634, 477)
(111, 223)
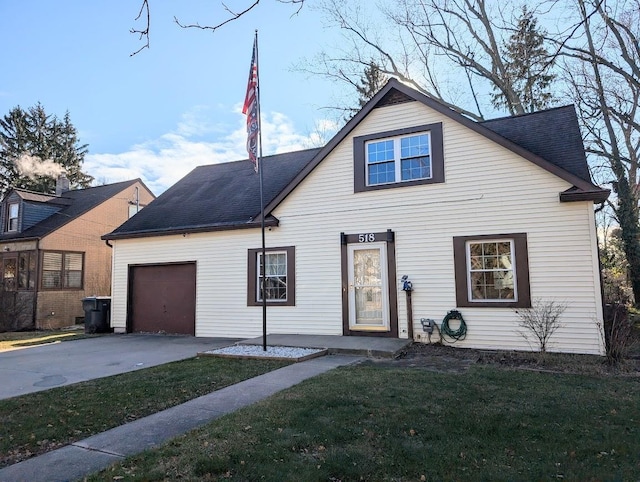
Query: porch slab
(369, 346)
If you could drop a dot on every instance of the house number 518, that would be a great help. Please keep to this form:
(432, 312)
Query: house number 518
(366, 238)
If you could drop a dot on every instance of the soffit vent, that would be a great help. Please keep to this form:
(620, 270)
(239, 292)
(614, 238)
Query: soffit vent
(394, 97)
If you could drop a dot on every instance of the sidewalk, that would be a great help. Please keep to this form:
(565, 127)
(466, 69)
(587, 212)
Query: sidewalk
(95, 453)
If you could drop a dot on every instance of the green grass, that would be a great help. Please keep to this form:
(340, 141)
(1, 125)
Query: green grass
(374, 423)
(19, 339)
(42, 421)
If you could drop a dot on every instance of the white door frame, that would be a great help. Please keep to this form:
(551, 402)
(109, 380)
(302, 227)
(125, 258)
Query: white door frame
(354, 323)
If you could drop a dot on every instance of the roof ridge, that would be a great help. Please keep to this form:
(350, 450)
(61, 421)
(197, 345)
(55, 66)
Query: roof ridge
(237, 161)
(129, 181)
(516, 116)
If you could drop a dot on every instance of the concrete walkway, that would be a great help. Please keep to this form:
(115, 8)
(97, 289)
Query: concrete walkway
(95, 453)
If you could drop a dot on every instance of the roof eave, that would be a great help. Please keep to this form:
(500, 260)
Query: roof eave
(269, 222)
(19, 239)
(573, 195)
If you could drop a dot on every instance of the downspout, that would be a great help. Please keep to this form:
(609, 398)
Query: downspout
(604, 331)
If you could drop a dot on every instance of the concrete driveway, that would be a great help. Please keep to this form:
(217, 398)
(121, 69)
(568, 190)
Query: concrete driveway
(42, 367)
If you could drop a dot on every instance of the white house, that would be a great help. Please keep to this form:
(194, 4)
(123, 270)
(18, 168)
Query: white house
(483, 218)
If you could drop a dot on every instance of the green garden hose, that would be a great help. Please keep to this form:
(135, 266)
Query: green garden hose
(460, 333)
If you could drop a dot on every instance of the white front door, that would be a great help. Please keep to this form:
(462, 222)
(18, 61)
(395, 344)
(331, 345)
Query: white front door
(368, 287)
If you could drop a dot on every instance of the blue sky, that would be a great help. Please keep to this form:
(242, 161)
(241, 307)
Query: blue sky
(160, 113)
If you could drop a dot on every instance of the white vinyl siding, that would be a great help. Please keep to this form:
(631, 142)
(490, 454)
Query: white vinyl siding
(488, 190)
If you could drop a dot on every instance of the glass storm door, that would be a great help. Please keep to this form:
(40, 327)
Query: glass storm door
(368, 289)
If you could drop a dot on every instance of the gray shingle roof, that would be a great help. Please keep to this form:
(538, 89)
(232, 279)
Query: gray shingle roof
(217, 196)
(552, 134)
(78, 202)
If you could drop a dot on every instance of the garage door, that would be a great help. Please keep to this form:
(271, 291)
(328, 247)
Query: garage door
(162, 298)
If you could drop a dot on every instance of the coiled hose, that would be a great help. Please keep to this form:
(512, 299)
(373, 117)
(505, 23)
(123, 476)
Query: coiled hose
(454, 335)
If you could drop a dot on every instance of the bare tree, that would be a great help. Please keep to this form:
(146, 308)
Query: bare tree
(603, 73)
(453, 50)
(144, 15)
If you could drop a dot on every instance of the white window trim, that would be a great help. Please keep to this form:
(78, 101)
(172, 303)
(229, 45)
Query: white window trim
(397, 160)
(469, 270)
(286, 266)
(10, 218)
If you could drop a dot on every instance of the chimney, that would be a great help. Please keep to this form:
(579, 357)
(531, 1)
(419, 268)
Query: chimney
(62, 184)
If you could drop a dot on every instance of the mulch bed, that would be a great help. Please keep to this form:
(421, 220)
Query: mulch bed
(443, 358)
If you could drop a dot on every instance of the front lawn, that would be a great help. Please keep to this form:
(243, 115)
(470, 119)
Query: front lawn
(38, 422)
(372, 422)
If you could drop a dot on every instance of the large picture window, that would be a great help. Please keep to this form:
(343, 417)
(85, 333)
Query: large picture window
(492, 271)
(401, 157)
(62, 270)
(277, 282)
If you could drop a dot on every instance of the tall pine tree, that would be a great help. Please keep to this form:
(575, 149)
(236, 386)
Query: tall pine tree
(35, 148)
(370, 83)
(527, 66)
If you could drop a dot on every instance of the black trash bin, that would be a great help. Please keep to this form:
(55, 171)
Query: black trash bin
(97, 314)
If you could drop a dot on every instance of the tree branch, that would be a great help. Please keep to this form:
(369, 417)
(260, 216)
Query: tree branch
(144, 33)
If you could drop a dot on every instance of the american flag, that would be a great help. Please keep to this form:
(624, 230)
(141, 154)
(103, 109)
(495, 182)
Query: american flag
(250, 108)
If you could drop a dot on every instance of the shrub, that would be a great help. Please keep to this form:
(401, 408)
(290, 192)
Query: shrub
(618, 332)
(16, 310)
(540, 322)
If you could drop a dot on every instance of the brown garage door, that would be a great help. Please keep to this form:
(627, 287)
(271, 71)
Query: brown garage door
(162, 298)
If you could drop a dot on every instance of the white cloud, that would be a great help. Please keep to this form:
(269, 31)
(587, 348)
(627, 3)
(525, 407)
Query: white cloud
(161, 162)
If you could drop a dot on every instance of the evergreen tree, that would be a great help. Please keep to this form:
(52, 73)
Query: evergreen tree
(35, 148)
(370, 83)
(527, 64)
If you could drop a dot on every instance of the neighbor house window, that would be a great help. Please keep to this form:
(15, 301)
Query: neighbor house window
(27, 270)
(135, 209)
(9, 271)
(276, 282)
(12, 216)
(492, 270)
(62, 270)
(399, 158)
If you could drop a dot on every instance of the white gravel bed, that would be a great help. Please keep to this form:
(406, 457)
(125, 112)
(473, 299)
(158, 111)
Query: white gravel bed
(272, 351)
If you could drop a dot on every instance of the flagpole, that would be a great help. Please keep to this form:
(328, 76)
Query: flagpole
(260, 168)
(251, 108)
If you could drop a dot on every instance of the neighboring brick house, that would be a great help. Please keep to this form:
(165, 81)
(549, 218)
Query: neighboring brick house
(51, 254)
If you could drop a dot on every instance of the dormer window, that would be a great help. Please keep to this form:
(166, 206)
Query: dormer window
(403, 157)
(12, 218)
